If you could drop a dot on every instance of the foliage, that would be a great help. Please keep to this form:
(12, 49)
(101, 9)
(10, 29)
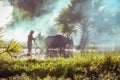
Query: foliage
(1, 35)
(13, 47)
(76, 13)
(66, 29)
(64, 20)
(1, 32)
(87, 65)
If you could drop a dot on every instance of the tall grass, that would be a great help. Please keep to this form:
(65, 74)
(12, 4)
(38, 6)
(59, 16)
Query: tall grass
(88, 66)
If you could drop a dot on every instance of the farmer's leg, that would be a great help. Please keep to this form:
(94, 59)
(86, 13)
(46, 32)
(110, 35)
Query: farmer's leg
(29, 48)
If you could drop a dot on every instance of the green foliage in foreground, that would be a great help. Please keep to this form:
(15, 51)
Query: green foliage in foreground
(88, 66)
(12, 48)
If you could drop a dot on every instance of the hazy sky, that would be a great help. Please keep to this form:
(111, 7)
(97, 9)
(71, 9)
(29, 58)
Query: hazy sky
(5, 13)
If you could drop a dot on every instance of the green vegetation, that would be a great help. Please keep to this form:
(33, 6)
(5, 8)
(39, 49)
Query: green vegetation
(73, 18)
(1, 35)
(87, 65)
(12, 48)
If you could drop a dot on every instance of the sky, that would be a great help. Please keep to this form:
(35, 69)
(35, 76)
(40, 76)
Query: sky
(105, 33)
(5, 13)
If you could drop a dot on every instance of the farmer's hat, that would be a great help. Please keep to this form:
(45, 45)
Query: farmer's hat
(32, 31)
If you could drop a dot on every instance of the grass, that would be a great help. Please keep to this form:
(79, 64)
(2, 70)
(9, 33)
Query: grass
(85, 66)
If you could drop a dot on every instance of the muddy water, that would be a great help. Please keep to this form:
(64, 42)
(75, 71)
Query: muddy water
(42, 55)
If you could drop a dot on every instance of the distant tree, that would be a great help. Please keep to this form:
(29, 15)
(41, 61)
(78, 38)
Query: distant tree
(25, 10)
(40, 40)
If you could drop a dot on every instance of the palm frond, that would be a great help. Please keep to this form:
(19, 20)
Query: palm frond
(67, 29)
(14, 47)
(1, 32)
(1, 35)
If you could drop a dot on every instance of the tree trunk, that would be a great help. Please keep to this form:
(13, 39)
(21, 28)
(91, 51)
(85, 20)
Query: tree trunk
(84, 38)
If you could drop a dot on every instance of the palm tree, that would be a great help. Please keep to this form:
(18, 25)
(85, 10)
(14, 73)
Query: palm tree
(72, 15)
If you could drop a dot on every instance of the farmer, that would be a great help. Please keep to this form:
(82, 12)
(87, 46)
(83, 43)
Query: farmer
(29, 42)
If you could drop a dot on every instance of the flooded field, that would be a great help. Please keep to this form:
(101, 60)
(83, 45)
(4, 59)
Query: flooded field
(41, 54)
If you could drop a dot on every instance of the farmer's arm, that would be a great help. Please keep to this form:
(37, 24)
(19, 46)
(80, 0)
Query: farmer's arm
(32, 38)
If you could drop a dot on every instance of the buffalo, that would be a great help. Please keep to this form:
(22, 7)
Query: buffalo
(58, 42)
